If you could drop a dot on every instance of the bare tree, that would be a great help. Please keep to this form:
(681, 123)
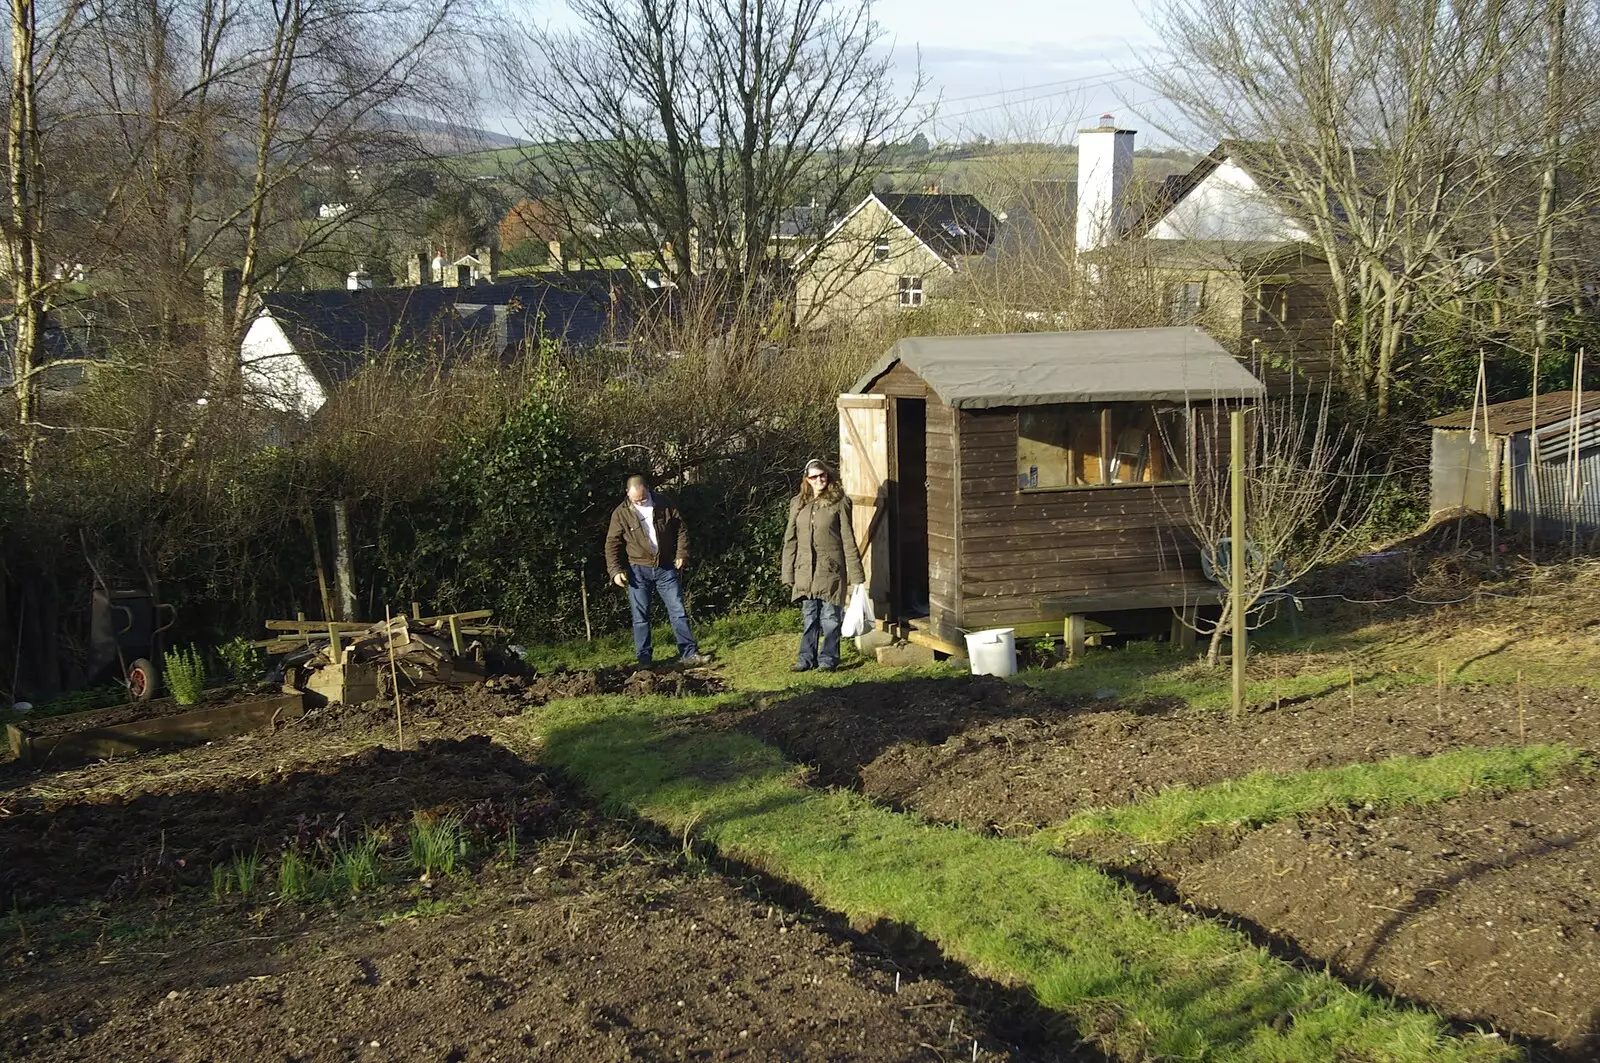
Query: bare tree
(40, 35)
(1304, 498)
(1395, 133)
(690, 131)
(263, 135)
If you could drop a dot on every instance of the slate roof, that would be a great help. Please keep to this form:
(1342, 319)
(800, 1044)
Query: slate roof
(1037, 368)
(1510, 418)
(337, 331)
(953, 225)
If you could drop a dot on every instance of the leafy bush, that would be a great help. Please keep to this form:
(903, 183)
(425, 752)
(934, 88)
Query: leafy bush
(185, 675)
(244, 662)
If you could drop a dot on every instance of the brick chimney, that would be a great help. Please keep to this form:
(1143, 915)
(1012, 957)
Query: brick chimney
(221, 287)
(1105, 166)
(488, 264)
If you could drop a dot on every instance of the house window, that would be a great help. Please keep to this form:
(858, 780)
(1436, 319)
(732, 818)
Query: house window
(910, 291)
(1185, 301)
(1088, 445)
(1272, 304)
(880, 249)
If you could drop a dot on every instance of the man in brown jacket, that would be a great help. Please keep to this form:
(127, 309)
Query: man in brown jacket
(645, 531)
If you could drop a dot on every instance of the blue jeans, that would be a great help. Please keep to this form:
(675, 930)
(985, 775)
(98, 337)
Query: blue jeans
(641, 578)
(820, 617)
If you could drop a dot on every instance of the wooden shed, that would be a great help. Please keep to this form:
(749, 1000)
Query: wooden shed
(1035, 480)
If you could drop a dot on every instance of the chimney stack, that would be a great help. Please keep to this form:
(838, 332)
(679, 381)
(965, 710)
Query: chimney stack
(1105, 167)
(488, 264)
(416, 269)
(222, 286)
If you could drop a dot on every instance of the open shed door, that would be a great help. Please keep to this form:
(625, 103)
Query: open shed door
(864, 475)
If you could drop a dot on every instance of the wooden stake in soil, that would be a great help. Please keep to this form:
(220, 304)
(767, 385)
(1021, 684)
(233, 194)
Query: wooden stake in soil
(1522, 710)
(583, 594)
(1438, 693)
(1236, 561)
(394, 678)
(1533, 468)
(310, 522)
(1352, 695)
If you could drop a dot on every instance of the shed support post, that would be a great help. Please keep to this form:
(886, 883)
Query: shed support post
(1076, 633)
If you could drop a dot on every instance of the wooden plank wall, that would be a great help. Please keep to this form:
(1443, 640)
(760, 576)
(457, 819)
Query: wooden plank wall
(1304, 340)
(943, 555)
(1018, 548)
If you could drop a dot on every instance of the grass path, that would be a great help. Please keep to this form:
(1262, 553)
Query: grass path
(1140, 979)
(1263, 797)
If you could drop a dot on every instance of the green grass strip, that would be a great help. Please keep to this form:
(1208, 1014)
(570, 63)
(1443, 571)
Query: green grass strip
(1264, 797)
(1143, 980)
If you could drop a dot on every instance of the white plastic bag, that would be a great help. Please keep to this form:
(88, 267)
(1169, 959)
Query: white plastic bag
(858, 618)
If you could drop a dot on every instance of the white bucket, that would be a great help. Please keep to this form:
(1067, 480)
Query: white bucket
(993, 652)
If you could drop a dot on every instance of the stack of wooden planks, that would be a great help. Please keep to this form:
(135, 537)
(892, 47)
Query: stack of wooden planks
(347, 663)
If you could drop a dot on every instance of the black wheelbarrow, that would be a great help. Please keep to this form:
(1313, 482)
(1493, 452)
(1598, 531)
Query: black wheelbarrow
(125, 629)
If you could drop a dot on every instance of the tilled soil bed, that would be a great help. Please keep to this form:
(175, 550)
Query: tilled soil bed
(1487, 908)
(594, 949)
(591, 940)
(988, 754)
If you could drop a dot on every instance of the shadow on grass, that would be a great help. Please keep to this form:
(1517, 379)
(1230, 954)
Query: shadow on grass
(841, 729)
(1287, 950)
(1138, 979)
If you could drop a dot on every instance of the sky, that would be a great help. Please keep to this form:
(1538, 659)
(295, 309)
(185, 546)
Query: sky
(1011, 69)
(1023, 69)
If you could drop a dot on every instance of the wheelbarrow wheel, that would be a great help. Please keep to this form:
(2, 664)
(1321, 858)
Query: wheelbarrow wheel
(141, 680)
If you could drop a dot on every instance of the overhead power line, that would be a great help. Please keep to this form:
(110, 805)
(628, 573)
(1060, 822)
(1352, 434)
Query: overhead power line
(1048, 85)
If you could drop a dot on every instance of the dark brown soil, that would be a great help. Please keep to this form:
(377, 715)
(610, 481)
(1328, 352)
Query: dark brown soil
(990, 754)
(152, 842)
(597, 941)
(1488, 909)
(592, 949)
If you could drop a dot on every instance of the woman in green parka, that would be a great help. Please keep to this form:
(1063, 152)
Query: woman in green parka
(821, 564)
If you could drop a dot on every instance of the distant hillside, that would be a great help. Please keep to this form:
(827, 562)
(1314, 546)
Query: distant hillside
(451, 138)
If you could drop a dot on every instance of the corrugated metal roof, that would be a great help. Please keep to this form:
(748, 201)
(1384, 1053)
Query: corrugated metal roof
(1509, 418)
(1035, 368)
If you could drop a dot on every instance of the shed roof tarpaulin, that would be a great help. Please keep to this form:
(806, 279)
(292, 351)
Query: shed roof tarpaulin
(1035, 368)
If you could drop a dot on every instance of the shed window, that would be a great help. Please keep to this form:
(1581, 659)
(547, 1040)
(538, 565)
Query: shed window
(1087, 445)
(910, 291)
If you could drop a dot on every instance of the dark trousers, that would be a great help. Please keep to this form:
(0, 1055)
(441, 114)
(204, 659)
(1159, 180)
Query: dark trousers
(819, 616)
(664, 580)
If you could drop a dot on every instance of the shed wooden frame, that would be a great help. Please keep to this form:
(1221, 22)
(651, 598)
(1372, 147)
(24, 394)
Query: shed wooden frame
(934, 481)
